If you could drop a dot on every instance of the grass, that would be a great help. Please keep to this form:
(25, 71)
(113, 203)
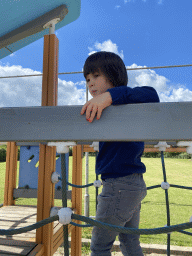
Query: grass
(153, 211)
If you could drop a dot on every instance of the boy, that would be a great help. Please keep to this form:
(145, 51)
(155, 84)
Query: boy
(119, 163)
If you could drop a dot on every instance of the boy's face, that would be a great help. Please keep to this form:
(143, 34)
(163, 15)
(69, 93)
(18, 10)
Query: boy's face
(97, 83)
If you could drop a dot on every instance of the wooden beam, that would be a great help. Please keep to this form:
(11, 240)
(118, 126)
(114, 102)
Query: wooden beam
(11, 173)
(172, 150)
(38, 250)
(7, 174)
(87, 148)
(47, 155)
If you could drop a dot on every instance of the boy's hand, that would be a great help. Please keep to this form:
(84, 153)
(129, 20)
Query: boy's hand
(96, 105)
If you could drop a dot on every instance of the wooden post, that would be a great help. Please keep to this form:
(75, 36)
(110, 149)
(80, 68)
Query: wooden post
(47, 155)
(11, 173)
(76, 199)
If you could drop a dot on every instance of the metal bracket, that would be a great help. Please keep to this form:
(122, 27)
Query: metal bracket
(51, 25)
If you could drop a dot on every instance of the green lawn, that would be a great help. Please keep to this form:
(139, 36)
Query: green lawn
(153, 211)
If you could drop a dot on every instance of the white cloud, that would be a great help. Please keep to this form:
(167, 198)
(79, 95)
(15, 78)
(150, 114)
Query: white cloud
(166, 90)
(177, 95)
(69, 94)
(108, 46)
(21, 92)
(117, 7)
(92, 52)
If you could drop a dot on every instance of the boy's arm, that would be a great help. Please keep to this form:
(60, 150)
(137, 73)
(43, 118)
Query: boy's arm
(116, 96)
(127, 95)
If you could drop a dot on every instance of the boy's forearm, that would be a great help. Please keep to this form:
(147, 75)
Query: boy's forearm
(127, 95)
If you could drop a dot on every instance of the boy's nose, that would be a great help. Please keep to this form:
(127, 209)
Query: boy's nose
(91, 84)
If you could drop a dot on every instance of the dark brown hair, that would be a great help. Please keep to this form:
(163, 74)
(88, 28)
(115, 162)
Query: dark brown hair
(110, 64)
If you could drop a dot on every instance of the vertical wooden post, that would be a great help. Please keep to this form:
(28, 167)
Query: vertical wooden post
(11, 173)
(47, 155)
(76, 199)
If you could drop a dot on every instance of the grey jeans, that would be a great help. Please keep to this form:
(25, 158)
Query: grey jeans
(119, 204)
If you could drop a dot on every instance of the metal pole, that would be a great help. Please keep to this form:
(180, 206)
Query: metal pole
(86, 196)
(86, 204)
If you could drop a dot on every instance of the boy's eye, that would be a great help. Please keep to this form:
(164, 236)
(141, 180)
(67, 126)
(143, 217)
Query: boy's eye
(96, 75)
(87, 80)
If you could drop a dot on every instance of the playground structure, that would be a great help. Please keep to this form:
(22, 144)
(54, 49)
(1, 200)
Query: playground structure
(19, 213)
(47, 243)
(39, 243)
(49, 237)
(31, 248)
(55, 234)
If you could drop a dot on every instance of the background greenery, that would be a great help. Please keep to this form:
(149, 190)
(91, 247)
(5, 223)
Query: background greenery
(153, 211)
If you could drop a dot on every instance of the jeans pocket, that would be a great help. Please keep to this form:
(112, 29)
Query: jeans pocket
(128, 202)
(106, 206)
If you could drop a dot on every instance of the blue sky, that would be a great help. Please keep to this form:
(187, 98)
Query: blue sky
(143, 32)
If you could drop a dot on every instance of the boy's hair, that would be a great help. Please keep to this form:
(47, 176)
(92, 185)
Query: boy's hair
(110, 64)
